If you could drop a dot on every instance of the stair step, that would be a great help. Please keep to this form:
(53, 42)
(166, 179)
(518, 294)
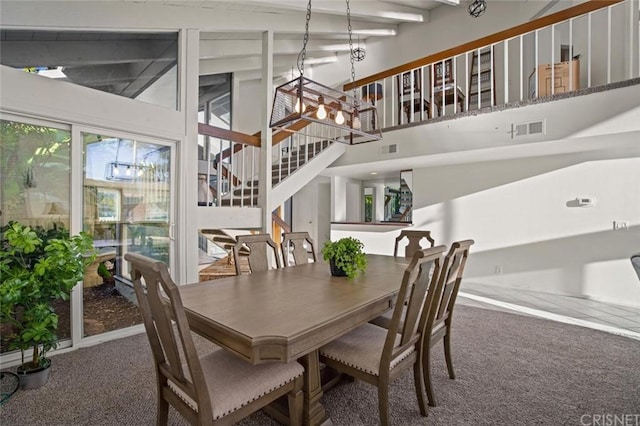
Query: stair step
(283, 172)
(247, 192)
(239, 202)
(221, 239)
(303, 148)
(285, 164)
(224, 267)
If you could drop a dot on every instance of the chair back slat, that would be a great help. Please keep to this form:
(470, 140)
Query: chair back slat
(300, 246)
(417, 278)
(446, 291)
(414, 238)
(164, 327)
(172, 345)
(261, 248)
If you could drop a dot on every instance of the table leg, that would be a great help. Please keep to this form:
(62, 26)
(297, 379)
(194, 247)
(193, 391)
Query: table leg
(313, 411)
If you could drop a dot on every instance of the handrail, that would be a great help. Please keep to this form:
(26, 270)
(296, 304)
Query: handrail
(571, 12)
(246, 139)
(231, 135)
(280, 222)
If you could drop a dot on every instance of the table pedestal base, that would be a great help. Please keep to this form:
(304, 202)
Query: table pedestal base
(313, 411)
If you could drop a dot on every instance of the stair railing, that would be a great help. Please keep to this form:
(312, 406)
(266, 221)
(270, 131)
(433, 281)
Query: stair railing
(225, 174)
(229, 169)
(517, 65)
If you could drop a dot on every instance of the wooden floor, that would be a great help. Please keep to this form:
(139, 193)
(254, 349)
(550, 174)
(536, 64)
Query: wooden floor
(224, 267)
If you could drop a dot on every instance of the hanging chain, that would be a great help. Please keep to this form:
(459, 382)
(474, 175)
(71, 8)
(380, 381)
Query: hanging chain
(303, 53)
(351, 52)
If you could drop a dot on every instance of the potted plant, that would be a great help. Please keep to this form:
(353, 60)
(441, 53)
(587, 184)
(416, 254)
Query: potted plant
(345, 257)
(38, 268)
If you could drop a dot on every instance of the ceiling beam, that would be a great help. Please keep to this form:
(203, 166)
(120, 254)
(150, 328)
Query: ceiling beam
(211, 49)
(371, 10)
(69, 53)
(111, 15)
(218, 66)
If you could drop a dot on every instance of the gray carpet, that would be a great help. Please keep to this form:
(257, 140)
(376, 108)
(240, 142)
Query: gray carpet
(511, 370)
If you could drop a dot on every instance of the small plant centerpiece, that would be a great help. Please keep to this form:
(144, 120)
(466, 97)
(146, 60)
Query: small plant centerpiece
(38, 267)
(345, 257)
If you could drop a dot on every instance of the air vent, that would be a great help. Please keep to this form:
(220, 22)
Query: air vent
(535, 127)
(525, 129)
(389, 149)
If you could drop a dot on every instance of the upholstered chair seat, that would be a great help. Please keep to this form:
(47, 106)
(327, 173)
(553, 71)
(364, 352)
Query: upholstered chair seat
(362, 349)
(250, 382)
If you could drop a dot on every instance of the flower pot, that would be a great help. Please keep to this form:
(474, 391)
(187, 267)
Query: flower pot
(33, 378)
(335, 270)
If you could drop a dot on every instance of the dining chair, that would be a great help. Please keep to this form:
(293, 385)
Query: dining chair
(441, 302)
(217, 388)
(261, 247)
(411, 99)
(297, 246)
(445, 91)
(377, 355)
(414, 238)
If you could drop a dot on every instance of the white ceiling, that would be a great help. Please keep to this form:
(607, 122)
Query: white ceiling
(240, 51)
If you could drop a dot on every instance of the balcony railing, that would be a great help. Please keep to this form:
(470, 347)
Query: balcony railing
(591, 44)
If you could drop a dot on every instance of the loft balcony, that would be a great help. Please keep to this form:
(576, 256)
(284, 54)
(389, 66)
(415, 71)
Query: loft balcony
(576, 51)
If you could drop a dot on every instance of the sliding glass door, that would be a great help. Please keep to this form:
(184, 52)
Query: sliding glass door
(128, 208)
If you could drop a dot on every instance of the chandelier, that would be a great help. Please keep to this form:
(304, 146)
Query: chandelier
(305, 107)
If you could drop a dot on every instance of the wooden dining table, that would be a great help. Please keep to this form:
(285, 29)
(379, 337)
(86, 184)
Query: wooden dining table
(287, 314)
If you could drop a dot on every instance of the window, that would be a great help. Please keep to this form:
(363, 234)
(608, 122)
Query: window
(140, 66)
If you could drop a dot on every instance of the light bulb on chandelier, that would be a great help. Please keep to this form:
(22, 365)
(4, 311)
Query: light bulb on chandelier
(339, 115)
(356, 122)
(297, 107)
(322, 111)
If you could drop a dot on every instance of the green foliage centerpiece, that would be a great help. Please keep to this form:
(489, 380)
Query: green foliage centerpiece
(38, 267)
(345, 256)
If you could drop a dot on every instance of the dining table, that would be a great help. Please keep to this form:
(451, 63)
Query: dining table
(287, 314)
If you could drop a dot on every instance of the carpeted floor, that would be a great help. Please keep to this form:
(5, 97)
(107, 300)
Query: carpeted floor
(511, 370)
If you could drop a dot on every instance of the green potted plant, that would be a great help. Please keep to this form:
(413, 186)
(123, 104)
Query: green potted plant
(38, 267)
(345, 256)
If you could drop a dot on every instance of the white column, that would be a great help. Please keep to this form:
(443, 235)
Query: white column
(264, 186)
(185, 258)
(631, 40)
(338, 199)
(379, 202)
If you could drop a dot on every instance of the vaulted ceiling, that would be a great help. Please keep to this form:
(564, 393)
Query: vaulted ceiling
(221, 50)
(126, 63)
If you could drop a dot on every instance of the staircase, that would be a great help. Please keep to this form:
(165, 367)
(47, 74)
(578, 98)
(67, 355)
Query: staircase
(225, 266)
(290, 162)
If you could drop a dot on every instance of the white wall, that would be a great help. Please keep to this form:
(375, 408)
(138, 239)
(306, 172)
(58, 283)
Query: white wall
(524, 219)
(354, 201)
(247, 112)
(312, 211)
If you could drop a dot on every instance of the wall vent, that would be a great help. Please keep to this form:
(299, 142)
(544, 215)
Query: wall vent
(524, 129)
(389, 149)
